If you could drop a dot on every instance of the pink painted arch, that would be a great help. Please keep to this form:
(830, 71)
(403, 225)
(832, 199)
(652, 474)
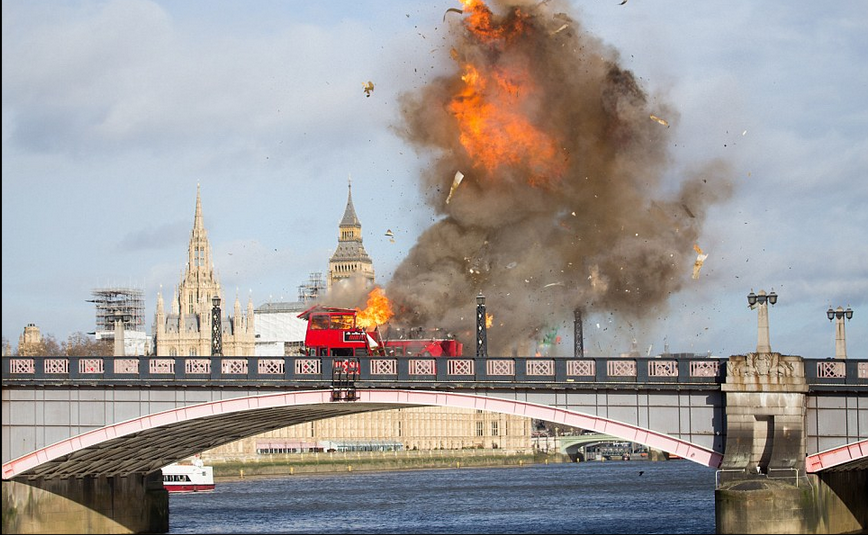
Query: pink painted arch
(856, 452)
(312, 405)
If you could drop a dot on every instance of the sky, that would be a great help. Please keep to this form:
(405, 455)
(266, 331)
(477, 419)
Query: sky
(115, 111)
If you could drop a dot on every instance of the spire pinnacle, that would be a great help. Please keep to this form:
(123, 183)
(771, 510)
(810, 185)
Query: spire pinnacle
(350, 219)
(197, 219)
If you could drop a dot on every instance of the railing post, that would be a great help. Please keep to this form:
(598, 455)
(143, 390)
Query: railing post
(560, 370)
(403, 365)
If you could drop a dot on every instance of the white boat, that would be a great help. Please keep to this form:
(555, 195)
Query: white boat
(188, 477)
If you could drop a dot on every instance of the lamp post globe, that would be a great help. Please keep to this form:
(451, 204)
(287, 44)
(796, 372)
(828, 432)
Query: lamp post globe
(760, 300)
(838, 316)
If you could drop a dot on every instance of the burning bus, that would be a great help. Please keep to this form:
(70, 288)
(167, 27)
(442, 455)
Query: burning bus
(341, 332)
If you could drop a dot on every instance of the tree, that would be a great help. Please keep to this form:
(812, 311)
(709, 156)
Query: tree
(47, 346)
(81, 345)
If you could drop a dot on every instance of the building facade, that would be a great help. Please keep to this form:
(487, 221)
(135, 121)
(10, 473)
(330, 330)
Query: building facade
(350, 257)
(186, 330)
(419, 428)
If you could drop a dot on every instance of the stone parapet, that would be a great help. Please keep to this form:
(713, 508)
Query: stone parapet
(765, 372)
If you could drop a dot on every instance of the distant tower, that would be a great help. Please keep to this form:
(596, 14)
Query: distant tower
(30, 342)
(350, 257)
(187, 329)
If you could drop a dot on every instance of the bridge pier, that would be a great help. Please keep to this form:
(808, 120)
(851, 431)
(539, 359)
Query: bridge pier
(128, 504)
(762, 483)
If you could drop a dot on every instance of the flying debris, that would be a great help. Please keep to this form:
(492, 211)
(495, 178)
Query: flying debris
(389, 233)
(664, 122)
(369, 86)
(554, 284)
(454, 10)
(621, 4)
(459, 176)
(563, 27)
(686, 209)
(700, 258)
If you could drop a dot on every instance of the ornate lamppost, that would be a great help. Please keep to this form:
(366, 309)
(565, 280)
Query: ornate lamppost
(840, 341)
(216, 329)
(578, 337)
(759, 301)
(481, 340)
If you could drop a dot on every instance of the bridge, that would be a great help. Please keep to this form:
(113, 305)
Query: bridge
(72, 425)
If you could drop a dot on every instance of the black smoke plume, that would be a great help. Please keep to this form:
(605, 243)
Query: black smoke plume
(607, 230)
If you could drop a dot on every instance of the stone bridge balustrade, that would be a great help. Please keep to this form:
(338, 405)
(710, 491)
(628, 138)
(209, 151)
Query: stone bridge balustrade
(317, 371)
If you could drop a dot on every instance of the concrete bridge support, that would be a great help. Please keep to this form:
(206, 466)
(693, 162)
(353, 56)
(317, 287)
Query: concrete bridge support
(129, 504)
(762, 483)
(827, 503)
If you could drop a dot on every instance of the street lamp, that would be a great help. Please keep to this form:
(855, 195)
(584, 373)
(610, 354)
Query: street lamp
(759, 301)
(840, 341)
(481, 338)
(216, 329)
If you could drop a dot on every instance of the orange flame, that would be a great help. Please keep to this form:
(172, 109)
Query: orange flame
(491, 108)
(377, 312)
(489, 320)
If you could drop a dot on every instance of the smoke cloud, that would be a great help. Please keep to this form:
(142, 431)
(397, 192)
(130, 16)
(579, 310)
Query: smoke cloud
(585, 215)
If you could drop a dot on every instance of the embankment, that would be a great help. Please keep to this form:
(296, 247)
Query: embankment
(361, 461)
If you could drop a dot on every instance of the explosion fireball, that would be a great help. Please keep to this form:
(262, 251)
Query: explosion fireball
(565, 180)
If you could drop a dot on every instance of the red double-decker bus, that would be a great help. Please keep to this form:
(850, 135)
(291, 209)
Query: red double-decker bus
(332, 331)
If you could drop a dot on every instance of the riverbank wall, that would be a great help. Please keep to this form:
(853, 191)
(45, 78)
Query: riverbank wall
(362, 461)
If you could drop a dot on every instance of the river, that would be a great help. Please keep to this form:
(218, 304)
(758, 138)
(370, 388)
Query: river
(591, 497)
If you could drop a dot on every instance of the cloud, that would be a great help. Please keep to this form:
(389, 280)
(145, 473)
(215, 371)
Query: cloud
(159, 237)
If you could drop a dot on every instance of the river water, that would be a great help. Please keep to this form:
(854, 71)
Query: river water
(592, 497)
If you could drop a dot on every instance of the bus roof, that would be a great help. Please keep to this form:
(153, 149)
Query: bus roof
(320, 308)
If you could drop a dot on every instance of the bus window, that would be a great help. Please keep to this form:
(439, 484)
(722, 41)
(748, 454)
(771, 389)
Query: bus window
(341, 321)
(319, 322)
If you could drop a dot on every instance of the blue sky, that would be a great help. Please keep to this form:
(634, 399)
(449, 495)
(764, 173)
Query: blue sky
(114, 111)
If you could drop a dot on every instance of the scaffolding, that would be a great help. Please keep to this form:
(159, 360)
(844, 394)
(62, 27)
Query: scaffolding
(124, 304)
(311, 290)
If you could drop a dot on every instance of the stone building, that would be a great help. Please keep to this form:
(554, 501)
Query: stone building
(350, 257)
(422, 428)
(30, 342)
(186, 329)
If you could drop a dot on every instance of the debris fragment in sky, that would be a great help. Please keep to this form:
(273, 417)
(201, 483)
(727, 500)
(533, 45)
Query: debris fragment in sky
(459, 176)
(700, 258)
(622, 3)
(389, 233)
(560, 283)
(369, 86)
(454, 10)
(664, 122)
(563, 27)
(686, 209)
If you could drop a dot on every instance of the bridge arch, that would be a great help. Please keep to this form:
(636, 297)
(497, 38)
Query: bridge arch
(162, 438)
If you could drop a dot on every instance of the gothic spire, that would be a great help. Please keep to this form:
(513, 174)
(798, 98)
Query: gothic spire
(197, 219)
(350, 219)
